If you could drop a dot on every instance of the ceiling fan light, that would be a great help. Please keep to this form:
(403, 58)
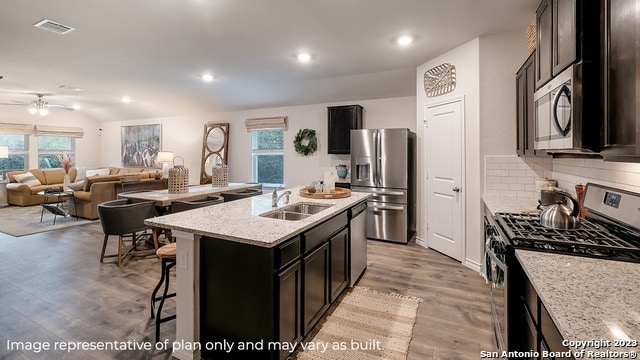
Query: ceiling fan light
(32, 110)
(44, 112)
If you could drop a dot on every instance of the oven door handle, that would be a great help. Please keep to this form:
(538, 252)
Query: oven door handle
(495, 259)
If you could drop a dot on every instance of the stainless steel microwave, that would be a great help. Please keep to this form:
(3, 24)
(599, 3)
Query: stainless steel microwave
(567, 115)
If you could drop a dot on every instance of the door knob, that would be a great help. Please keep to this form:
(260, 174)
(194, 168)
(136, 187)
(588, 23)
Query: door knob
(456, 189)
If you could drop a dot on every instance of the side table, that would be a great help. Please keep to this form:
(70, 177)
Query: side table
(54, 203)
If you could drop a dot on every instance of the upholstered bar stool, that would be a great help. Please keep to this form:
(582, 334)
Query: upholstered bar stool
(167, 254)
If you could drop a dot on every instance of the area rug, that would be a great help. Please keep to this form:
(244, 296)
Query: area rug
(20, 221)
(366, 324)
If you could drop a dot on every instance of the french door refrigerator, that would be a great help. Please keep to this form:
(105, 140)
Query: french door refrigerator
(383, 163)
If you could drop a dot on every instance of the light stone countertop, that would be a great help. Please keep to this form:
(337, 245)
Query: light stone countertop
(588, 299)
(510, 205)
(239, 221)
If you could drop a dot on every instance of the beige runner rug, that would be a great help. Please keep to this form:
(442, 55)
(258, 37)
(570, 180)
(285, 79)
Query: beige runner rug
(366, 324)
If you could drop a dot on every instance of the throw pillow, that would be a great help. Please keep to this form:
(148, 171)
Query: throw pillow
(81, 173)
(28, 179)
(76, 185)
(97, 172)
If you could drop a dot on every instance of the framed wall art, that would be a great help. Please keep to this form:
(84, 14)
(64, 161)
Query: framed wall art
(140, 145)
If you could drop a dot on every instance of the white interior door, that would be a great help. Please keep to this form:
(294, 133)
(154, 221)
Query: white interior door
(444, 147)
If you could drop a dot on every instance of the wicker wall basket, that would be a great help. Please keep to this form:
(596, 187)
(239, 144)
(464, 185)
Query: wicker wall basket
(531, 37)
(220, 176)
(178, 178)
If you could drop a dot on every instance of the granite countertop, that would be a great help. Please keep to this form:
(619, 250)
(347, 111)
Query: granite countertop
(239, 221)
(588, 299)
(510, 205)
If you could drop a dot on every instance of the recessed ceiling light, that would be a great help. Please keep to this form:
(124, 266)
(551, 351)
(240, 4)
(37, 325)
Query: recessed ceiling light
(76, 107)
(126, 99)
(405, 40)
(207, 77)
(303, 57)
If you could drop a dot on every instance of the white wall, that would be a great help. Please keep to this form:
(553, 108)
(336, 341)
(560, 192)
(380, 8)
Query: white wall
(87, 151)
(183, 135)
(467, 62)
(485, 75)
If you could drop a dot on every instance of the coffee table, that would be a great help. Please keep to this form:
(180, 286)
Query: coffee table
(53, 203)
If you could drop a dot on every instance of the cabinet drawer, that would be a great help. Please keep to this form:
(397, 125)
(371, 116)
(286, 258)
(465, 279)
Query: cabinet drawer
(288, 252)
(320, 234)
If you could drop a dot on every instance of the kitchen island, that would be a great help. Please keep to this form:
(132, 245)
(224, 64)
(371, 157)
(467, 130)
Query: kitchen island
(242, 277)
(592, 303)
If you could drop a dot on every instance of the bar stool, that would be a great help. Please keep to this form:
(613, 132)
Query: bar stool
(167, 254)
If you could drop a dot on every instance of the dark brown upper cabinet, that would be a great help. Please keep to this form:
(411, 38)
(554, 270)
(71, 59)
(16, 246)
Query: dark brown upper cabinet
(343, 119)
(567, 32)
(621, 92)
(525, 87)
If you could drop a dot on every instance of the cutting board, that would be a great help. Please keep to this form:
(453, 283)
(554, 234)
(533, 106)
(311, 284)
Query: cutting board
(335, 194)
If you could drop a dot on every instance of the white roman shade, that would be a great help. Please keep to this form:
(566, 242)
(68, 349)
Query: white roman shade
(8, 128)
(270, 123)
(52, 130)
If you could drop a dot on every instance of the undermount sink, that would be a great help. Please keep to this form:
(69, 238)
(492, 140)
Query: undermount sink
(306, 208)
(297, 211)
(284, 215)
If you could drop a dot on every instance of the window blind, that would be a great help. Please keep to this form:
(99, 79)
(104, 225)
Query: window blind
(52, 130)
(8, 128)
(277, 123)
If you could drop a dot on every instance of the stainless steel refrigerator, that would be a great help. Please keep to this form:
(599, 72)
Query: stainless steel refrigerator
(383, 163)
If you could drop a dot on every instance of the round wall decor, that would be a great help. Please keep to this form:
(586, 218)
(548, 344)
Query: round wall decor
(306, 142)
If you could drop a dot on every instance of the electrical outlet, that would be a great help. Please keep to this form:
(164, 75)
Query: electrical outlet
(182, 259)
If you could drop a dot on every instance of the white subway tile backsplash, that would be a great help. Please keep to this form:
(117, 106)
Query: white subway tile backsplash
(516, 177)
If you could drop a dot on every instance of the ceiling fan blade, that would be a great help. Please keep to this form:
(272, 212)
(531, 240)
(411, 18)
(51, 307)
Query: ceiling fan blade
(59, 106)
(14, 104)
(18, 102)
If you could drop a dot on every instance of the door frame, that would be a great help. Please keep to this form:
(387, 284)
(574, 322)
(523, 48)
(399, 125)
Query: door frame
(463, 180)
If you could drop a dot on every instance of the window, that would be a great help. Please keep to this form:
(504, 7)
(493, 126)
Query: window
(267, 157)
(49, 147)
(18, 153)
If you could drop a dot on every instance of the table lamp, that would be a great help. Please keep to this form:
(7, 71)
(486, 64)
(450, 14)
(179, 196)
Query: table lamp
(165, 157)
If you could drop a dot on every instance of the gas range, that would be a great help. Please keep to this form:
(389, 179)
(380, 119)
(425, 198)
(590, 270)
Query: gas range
(610, 230)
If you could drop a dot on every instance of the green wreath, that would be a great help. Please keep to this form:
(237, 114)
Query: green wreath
(312, 142)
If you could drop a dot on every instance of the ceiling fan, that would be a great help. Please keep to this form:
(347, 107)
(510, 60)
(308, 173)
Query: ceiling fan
(39, 106)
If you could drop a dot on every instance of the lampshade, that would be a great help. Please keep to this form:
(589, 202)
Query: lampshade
(4, 152)
(165, 156)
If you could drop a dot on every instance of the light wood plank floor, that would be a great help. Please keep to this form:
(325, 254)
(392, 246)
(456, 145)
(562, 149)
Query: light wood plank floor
(54, 289)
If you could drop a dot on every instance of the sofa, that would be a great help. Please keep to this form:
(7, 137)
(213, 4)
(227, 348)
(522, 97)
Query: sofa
(89, 190)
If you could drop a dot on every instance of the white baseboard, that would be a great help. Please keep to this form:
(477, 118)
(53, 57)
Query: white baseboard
(421, 242)
(472, 265)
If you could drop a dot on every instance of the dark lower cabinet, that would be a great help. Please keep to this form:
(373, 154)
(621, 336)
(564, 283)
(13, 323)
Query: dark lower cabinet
(531, 329)
(260, 296)
(290, 293)
(339, 245)
(316, 291)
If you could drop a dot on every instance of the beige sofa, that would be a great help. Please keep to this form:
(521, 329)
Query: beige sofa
(94, 189)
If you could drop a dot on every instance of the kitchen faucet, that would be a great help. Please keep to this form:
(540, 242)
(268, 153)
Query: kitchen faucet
(275, 198)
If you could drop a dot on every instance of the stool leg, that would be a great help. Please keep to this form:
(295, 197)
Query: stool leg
(104, 247)
(155, 290)
(167, 268)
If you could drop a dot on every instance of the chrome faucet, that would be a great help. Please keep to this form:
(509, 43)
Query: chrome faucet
(275, 198)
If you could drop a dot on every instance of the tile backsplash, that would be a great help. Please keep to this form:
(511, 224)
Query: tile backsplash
(513, 176)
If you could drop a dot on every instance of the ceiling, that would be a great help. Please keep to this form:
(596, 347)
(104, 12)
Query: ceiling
(155, 51)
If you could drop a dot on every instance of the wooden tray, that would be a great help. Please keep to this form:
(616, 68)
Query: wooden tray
(336, 194)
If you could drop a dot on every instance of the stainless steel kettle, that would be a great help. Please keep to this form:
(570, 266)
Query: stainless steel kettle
(560, 216)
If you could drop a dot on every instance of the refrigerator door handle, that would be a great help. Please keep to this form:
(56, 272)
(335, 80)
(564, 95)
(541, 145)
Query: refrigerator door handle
(388, 193)
(378, 158)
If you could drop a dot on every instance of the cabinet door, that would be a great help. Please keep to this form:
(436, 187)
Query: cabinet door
(316, 288)
(290, 283)
(544, 43)
(343, 119)
(521, 108)
(622, 61)
(339, 265)
(564, 34)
